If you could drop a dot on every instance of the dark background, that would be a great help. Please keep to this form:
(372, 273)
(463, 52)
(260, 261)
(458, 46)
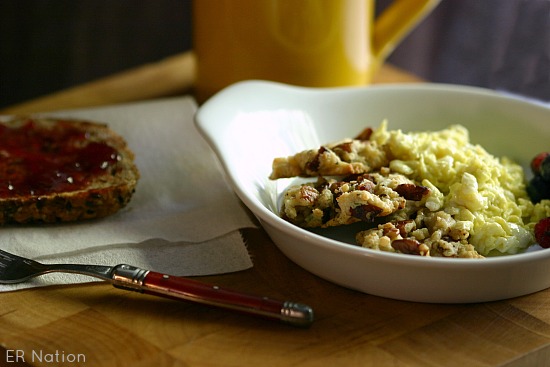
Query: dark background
(48, 45)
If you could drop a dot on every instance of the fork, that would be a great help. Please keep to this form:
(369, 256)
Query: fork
(16, 269)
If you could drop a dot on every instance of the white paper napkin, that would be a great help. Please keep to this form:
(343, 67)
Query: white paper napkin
(183, 218)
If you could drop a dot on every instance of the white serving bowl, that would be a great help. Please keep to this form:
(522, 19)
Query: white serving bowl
(250, 123)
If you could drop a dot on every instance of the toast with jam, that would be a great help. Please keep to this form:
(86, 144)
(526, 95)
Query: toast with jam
(60, 170)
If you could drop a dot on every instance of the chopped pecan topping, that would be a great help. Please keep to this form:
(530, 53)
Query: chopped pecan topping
(366, 212)
(308, 194)
(315, 163)
(412, 191)
(407, 246)
(346, 147)
(405, 226)
(390, 231)
(365, 134)
(366, 185)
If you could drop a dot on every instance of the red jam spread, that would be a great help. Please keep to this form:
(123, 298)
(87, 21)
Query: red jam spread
(38, 161)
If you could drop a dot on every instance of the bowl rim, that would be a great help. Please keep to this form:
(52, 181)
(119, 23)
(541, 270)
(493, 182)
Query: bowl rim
(265, 214)
(239, 87)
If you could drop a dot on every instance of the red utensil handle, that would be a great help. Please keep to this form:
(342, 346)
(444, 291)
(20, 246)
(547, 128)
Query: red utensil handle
(150, 282)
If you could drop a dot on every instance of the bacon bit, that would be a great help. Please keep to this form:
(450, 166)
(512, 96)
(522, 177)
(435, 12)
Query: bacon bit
(366, 212)
(407, 246)
(365, 134)
(412, 192)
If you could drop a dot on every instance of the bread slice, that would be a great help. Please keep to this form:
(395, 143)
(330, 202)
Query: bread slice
(61, 170)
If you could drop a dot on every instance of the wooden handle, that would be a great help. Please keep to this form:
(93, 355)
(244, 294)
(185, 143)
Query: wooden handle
(191, 290)
(136, 279)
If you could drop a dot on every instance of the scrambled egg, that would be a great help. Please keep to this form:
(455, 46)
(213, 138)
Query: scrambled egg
(486, 194)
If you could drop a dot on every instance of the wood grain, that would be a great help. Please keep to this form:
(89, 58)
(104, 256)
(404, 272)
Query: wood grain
(111, 327)
(172, 76)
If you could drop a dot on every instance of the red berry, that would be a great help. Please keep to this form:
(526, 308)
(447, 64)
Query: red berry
(542, 232)
(537, 161)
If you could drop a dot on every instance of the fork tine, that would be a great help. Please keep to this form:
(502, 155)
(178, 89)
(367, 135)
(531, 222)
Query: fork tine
(4, 258)
(7, 256)
(16, 269)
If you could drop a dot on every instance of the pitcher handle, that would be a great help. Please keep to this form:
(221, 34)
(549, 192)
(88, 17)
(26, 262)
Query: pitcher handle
(395, 22)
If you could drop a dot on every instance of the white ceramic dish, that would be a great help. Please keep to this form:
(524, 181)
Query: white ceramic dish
(250, 123)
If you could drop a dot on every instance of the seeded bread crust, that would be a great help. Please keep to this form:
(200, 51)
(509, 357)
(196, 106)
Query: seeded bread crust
(104, 195)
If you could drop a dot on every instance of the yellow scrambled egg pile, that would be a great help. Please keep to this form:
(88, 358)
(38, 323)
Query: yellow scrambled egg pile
(484, 192)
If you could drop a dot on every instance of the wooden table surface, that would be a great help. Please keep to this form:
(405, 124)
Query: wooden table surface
(110, 327)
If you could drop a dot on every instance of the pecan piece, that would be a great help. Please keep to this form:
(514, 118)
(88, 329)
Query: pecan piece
(366, 212)
(314, 164)
(407, 246)
(308, 194)
(405, 226)
(346, 147)
(365, 134)
(412, 191)
(366, 185)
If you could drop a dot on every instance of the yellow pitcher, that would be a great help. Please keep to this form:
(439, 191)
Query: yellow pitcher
(316, 43)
